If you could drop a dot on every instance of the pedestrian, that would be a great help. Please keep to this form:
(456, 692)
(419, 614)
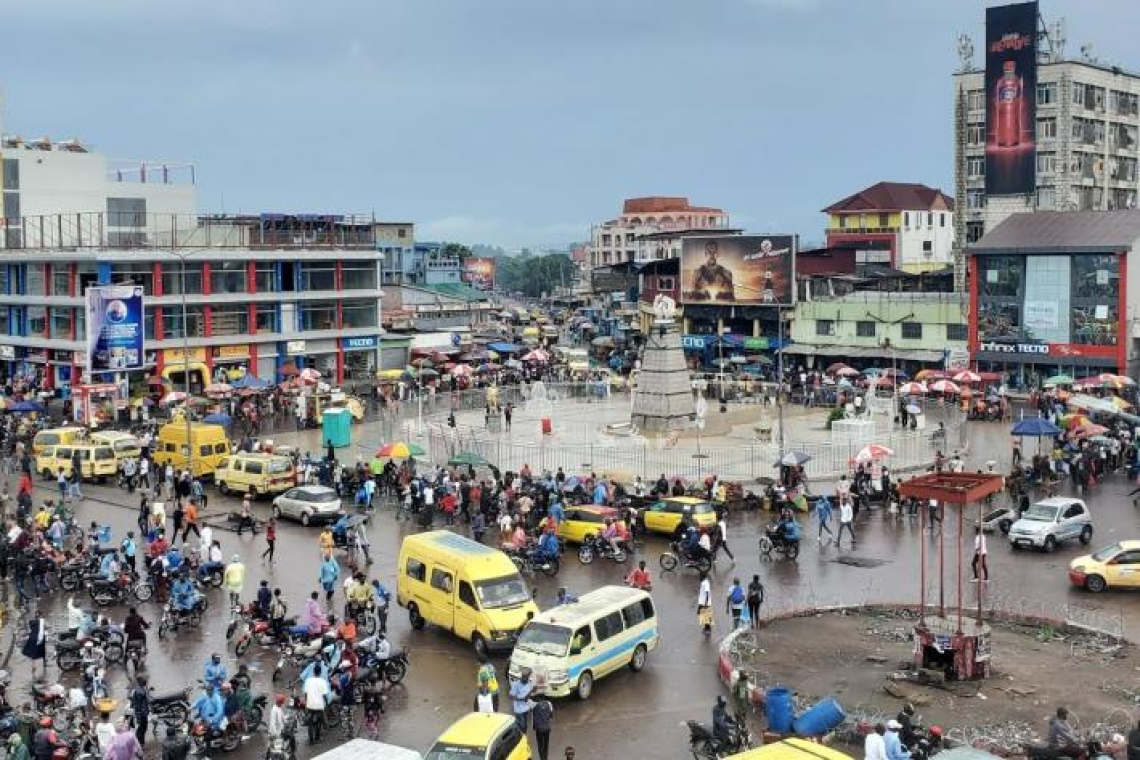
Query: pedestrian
(270, 538)
(316, 698)
(234, 579)
(179, 517)
(330, 573)
(704, 604)
(486, 677)
(755, 599)
(104, 733)
(140, 707)
(734, 604)
(823, 514)
(520, 692)
(125, 745)
(846, 521)
(980, 556)
(478, 525)
(245, 518)
(722, 537)
(35, 646)
(741, 697)
(542, 714)
(874, 746)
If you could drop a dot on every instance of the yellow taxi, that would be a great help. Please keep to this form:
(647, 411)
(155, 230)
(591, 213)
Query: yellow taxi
(481, 736)
(1115, 566)
(665, 515)
(583, 520)
(96, 461)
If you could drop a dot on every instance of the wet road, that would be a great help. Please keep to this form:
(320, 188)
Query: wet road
(631, 715)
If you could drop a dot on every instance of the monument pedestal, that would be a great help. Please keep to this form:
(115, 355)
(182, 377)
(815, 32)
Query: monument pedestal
(663, 401)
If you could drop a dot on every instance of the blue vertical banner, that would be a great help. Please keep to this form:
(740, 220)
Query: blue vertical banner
(115, 335)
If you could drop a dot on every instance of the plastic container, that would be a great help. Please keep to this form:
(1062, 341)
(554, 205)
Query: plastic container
(779, 709)
(820, 718)
(547, 427)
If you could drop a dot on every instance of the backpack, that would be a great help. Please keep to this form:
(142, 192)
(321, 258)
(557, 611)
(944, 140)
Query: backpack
(737, 595)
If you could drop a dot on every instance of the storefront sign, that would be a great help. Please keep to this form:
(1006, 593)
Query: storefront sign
(177, 356)
(7, 353)
(695, 342)
(756, 344)
(295, 347)
(357, 344)
(1060, 350)
(115, 336)
(231, 352)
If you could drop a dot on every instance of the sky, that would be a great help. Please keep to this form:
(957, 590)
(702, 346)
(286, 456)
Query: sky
(515, 122)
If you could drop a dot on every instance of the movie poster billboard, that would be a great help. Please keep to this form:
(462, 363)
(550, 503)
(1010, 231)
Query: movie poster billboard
(749, 270)
(1011, 99)
(115, 334)
(479, 272)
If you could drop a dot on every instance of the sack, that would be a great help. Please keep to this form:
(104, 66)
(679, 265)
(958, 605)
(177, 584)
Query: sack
(705, 616)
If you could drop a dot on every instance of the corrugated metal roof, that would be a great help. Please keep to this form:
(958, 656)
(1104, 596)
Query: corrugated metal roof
(894, 196)
(1072, 231)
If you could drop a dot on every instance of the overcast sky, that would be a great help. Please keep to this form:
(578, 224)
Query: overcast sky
(514, 122)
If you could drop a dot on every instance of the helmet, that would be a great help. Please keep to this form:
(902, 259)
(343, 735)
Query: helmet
(936, 731)
(236, 558)
(45, 722)
(279, 700)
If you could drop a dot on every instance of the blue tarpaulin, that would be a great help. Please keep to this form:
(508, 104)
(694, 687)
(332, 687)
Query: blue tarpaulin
(504, 348)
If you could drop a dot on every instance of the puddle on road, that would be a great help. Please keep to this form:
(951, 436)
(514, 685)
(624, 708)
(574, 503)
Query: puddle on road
(864, 562)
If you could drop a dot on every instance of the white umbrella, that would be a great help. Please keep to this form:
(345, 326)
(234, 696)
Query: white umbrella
(945, 386)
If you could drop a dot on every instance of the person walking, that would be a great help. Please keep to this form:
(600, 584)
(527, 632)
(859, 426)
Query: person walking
(330, 573)
(139, 700)
(722, 537)
(316, 698)
(755, 599)
(823, 513)
(178, 516)
(520, 699)
(980, 553)
(486, 676)
(846, 521)
(734, 603)
(35, 646)
(234, 579)
(542, 714)
(270, 539)
(704, 604)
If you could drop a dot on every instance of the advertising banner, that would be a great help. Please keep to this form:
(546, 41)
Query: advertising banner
(746, 270)
(1011, 99)
(479, 272)
(115, 335)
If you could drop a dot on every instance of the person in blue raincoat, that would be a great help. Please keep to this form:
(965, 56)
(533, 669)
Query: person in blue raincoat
(330, 574)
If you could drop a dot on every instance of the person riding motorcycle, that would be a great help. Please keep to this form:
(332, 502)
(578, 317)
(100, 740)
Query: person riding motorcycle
(109, 566)
(610, 535)
(215, 674)
(1062, 737)
(175, 746)
(787, 529)
(46, 741)
(183, 594)
(547, 549)
(210, 709)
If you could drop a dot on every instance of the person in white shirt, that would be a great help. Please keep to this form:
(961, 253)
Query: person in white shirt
(704, 601)
(980, 556)
(874, 746)
(846, 522)
(722, 538)
(316, 698)
(484, 699)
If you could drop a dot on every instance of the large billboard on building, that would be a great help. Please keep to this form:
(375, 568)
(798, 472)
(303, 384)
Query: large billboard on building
(748, 270)
(115, 334)
(479, 272)
(1011, 99)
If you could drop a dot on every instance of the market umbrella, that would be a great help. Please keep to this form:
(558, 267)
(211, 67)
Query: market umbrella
(884, 382)
(737, 360)
(537, 355)
(603, 341)
(26, 406)
(475, 355)
(873, 451)
(173, 397)
(219, 389)
(1120, 403)
(833, 368)
(966, 376)
(467, 458)
(793, 459)
(945, 386)
(1070, 421)
(400, 450)
(1055, 380)
(895, 373)
(217, 418)
(309, 375)
(1100, 439)
(760, 359)
(847, 372)
(913, 388)
(844, 383)
(249, 381)
(1087, 430)
(1035, 427)
(462, 370)
(390, 374)
(428, 373)
(423, 362)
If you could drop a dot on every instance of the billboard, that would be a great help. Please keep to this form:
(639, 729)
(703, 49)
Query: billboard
(1011, 99)
(479, 272)
(748, 270)
(115, 334)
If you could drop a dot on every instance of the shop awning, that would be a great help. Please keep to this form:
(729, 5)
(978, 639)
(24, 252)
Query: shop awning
(864, 352)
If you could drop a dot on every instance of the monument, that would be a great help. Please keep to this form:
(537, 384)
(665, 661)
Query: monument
(663, 400)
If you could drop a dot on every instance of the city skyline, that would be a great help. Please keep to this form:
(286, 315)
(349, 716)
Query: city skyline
(515, 125)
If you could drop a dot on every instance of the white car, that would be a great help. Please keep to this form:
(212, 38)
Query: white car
(308, 504)
(1051, 521)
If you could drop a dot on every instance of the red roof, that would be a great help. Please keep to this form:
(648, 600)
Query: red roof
(657, 204)
(894, 196)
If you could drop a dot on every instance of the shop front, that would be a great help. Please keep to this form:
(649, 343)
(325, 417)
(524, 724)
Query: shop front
(322, 355)
(230, 362)
(176, 363)
(360, 358)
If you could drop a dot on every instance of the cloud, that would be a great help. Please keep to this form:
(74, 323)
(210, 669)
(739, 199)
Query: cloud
(474, 229)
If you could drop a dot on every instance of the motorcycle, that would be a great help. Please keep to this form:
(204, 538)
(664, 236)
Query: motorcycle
(773, 538)
(72, 654)
(48, 699)
(1091, 749)
(205, 741)
(296, 654)
(678, 555)
(596, 546)
(705, 745)
(109, 638)
(284, 747)
(170, 709)
(394, 668)
(526, 562)
(173, 618)
(127, 586)
(366, 617)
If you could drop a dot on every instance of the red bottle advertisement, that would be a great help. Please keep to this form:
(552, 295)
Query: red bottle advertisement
(1008, 99)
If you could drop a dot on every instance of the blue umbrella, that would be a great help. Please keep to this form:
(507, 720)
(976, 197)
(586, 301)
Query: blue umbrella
(27, 406)
(248, 381)
(1035, 427)
(217, 418)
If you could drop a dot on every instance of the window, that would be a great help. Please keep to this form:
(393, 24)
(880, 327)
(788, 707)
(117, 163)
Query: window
(319, 315)
(582, 638)
(136, 274)
(865, 329)
(359, 314)
(416, 570)
(666, 283)
(172, 325)
(912, 330)
(975, 198)
(265, 277)
(609, 626)
(1078, 94)
(975, 134)
(230, 320)
(929, 220)
(126, 212)
(842, 221)
(884, 220)
(402, 232)
(906, 220)
(637, 613)
(467, 595)
(927, 246)
(1074, 510)
(11, 174)
(1046, 197)
(267, 318)
(956, 332)
(34, 279)
(1046, 128)
(1046, 163)
(148, 322)
(942, 219)
(358, 275)
(441, 579)
(228, 277)
(1046, 93)
(974, 230)
(60, 322)
(825, 327)
(175, 277)
(318, 275)
(976, 100)
(975, 166)
(37, 320)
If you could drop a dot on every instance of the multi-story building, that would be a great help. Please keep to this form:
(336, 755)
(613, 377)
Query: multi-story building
(1088, 119)
(221, 291)
(631, 237)
(903, 225)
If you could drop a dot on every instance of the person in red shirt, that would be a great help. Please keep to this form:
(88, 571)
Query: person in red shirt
(447, 504)
(639, 577)
(159, 546)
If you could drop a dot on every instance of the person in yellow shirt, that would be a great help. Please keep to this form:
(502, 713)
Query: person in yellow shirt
(326, 543)
(234, 579)
(43, 518)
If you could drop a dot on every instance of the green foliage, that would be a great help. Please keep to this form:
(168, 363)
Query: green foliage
(456, 249)
(533, 275)
(836, 414)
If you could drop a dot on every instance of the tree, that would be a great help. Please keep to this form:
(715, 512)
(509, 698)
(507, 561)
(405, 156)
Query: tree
(533, 275)
(455, 250)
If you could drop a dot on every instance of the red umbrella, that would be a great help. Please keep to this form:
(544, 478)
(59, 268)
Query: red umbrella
(289, 370)
(834, 368)
(966, 376)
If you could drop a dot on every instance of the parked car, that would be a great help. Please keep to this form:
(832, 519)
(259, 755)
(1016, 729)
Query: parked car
(1051, 521)
(1115, 566)
(308, 504)
(999, 518)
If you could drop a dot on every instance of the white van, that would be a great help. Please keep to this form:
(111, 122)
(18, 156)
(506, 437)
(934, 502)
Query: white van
(569, 647)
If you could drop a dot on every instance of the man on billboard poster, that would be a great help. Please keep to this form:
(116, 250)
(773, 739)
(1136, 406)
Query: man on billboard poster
(713, 281)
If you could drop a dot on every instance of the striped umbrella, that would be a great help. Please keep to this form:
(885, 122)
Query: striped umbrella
(913, 389)
(945, 386)
(966, 376)
(400, 450)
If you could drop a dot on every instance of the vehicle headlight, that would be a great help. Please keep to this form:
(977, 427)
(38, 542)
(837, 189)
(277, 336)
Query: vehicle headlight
(556, 676)
(497, 634)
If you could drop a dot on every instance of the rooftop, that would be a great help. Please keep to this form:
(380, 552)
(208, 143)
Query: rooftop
(1063, 231)
(894, 196)
(656, 204)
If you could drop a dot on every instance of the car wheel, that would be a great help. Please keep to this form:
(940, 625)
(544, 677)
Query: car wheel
(46, 474)
(223, 488)
(306, 519)
(253, 493)
(415, 618)
(585, 685)
(1004, 526)
(1086, 535)
(1050, 543)
(480, 645)
(1095, 584)
(637, 662)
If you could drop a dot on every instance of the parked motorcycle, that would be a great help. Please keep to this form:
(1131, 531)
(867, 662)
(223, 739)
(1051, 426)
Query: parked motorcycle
(704, 744)
(121, 590)
(677, 555)
(596, 546)
(394, 668)
(170, 708)
(773, 539)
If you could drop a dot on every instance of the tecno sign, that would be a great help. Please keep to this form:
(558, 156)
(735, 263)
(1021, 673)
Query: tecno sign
(1014, 348)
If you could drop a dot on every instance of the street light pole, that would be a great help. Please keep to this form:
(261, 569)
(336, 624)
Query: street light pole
(780, 379)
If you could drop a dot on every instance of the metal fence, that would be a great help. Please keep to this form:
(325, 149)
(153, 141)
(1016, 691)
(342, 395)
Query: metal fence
(627, 457)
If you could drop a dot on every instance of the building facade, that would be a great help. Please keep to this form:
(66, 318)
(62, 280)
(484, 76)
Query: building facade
(1054, 292)
(221, 291)
(902, 225)
(630, 237)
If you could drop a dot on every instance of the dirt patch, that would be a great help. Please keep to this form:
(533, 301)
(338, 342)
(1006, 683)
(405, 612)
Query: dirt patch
(863, 658)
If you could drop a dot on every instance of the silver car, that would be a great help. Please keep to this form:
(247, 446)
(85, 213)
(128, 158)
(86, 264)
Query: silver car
(308, 504)
(1051, 521)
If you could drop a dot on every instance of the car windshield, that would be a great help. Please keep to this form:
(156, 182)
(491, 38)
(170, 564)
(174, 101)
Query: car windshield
(1107, 553)
(1041, 513)
(993, 515)
(455, 752)
(323, 496)
(277, 467)
(543, 638)
(502, 592)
